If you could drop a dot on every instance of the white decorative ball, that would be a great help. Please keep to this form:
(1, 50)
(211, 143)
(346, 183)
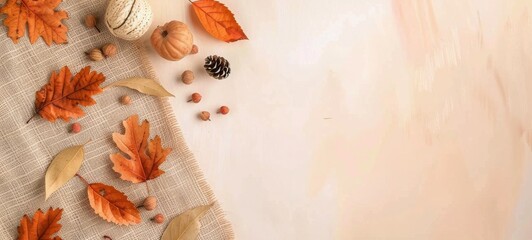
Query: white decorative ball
(128, 19)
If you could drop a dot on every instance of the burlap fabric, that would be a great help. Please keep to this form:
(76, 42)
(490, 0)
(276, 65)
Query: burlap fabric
(27, 149)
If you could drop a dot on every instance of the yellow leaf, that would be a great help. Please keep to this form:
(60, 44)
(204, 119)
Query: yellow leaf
(143, 85)
(186, 226)
(63, 167)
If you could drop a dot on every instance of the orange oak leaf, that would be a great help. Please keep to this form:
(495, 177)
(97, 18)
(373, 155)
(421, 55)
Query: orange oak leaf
(61, 97)
(41, 18)
(144, 157)
(218, 20)
(112, 205)
(41, 227)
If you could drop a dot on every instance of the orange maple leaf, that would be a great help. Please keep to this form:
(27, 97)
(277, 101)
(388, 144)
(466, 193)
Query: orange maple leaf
(144, 157)
(42, 226)
(112, 205)
(61, 97)
(218, 20)
(41, 18)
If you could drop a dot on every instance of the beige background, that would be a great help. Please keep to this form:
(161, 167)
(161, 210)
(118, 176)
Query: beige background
(365, 119)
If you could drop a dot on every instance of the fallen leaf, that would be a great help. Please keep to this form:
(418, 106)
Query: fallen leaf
(218, 20)
(144, 157)
(42, 226)
(186, 226)
(112, 205)
(41, 18)
(63, 167)
(61, 97)
(143, 85)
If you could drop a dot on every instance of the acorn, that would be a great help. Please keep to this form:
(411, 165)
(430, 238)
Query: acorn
(95, 54)
(91, 21)
(150, 203)
(187, 77)
(205, 116)
(109, 50)
(159, 218)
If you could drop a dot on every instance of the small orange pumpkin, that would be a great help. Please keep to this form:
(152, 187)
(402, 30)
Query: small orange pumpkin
(173, 41)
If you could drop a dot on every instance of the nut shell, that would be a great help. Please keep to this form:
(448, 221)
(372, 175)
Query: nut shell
(187, 77)
(109, 50)
(90, 21)
(126, 100)
(194, 50)
(95, 54)
(205, 116)
(150, 203)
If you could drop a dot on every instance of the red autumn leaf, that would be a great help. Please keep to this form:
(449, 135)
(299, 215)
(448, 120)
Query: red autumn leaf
(41, 18)
(41, 227)
(112, 205)
(61, 97)
(218, 20)
(144, 157)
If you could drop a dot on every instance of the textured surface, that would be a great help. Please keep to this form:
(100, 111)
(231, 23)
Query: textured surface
(26, 150)
(366, 119)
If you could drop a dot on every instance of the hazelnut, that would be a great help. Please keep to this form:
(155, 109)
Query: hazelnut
(95, 54)
(194, 50)
(187, 77)
(126, 100)
(75, 128)
(159, 218)
(91, 21)
(205, 116)
(109, 50)
(223, 110)
(195, 98)
(150, 203)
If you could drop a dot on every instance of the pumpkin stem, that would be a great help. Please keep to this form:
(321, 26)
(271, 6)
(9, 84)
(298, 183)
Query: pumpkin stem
(165, 33)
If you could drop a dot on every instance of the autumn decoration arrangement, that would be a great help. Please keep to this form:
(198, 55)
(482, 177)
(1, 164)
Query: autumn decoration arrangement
(137, 158)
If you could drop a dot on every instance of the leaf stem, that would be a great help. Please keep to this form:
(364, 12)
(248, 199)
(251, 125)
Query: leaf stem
(82, 179)
(148, 188)
(108, 86)
(35, 114)
(87, 142)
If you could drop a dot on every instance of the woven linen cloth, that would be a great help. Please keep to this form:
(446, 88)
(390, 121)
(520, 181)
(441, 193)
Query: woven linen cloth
(26, 150)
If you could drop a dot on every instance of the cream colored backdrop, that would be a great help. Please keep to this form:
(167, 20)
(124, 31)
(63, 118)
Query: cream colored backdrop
(366, 119)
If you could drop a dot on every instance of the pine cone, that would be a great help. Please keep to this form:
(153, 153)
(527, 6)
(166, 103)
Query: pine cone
(217, 67)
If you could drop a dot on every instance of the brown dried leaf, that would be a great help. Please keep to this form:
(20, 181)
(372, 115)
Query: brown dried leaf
(41, 18)
(41, 227)
(112, 205)
(144, 157)
(61, 97)
(218, 20)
